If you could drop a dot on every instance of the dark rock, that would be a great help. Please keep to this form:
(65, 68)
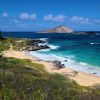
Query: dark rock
(88, 32)
(34, 45)
(35, 48)
(94, 73)
(91, 32)
(35, 42)
(80, 33)
(58, 65)
(62, 66)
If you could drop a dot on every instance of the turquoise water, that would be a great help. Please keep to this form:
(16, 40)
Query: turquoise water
(82, 53)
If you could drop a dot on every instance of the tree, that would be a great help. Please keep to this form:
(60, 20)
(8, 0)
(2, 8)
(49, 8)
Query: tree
(0, 34)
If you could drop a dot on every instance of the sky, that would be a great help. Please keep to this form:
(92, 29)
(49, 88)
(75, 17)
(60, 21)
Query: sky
(36, 15)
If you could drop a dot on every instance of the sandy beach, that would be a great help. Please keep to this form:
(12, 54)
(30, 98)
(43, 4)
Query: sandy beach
(81, 78)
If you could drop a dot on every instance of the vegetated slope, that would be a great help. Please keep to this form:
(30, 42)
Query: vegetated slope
(24, 80)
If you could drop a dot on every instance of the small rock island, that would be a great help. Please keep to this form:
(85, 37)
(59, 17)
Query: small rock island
(58, 29)
(65, 29)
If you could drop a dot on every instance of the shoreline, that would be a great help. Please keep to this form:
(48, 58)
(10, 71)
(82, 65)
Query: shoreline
(81, 78)
(70, 63)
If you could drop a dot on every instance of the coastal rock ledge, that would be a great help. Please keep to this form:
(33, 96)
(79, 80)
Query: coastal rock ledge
(36, 44)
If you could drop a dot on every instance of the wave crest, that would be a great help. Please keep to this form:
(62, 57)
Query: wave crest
(53, 47)
(71, 62)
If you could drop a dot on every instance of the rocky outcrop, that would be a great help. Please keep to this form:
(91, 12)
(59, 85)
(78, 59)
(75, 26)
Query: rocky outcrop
(80, 33)
(35, 42)
(89, 32)
(58, 65)
(34, 45)
(58, 29)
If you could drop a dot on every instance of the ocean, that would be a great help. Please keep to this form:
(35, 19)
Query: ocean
(82, 52)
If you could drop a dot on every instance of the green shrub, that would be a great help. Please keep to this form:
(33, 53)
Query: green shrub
(7, 93)
(24, 80)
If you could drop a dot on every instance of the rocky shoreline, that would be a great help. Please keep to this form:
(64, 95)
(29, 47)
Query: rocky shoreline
(36, 44)
(58, 65)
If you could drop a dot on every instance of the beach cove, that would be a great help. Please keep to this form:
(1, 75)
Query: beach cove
(76, 52)
(82, 78)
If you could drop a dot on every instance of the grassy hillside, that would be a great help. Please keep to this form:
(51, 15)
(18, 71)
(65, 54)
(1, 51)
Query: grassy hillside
(24, 80)
(4, 44)
(17, 44)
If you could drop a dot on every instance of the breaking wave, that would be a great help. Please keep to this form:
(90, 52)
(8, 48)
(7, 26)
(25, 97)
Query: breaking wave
(70, 63)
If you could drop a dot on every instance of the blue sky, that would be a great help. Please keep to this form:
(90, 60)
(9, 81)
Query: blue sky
(34, 15)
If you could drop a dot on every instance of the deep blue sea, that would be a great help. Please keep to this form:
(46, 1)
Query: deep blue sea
(82, 52)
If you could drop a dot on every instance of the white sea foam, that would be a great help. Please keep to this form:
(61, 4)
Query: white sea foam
(44, 50)
(46, 43)
(53, 46)
(44, 39)
(94, 43)
(84, 64)
(71, 63)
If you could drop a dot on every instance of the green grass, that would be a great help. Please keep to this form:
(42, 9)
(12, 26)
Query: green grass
(19, 45)
(4, 45)
(25, 80)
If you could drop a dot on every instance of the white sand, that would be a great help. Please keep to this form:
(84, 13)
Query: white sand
(81, 78)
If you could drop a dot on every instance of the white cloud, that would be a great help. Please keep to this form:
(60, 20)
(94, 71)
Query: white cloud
(81, 20)
(58, 18)
(5, 15)
(33, 16)
(27, 16)
(24, 16)
(48, 17)
(96, 21)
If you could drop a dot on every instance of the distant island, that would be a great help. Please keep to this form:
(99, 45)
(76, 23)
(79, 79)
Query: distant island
(25, 76)
(58, 29)
(64, 29)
